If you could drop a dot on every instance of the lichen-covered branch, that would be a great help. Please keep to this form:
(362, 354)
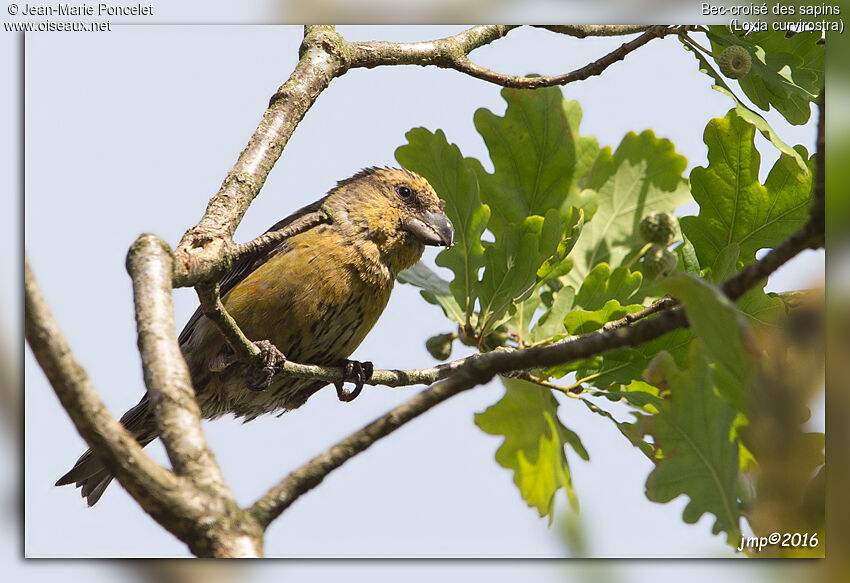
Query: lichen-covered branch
(453, 53)
(202, 254)
(219, 527)
(206, 250)
(586, 30)
(166, 374)
(171, 500)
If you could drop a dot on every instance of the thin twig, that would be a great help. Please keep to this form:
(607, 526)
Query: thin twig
(464, 65)
(664, 303)
(272, 238)
(243, 348)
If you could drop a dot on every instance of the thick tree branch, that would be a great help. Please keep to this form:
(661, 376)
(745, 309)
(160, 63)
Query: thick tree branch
(202, 255)
(206, 250)
(169, 499)
(442, 52)
(586, 30)
(220, 527)
(166, 374)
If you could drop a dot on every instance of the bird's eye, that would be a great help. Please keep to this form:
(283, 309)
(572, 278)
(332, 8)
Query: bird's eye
(404, 192)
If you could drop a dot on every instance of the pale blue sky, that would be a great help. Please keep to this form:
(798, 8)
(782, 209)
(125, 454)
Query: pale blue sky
(133, 131)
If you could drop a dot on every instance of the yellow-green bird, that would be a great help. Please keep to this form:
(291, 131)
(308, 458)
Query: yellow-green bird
(313, 298)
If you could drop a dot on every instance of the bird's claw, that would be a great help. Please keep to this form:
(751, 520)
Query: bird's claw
(361, 371)
(258, 377)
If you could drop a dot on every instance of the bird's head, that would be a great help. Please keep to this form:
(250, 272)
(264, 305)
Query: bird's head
(395, 209)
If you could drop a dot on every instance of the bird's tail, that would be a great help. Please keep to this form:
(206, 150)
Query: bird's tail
(90, 474)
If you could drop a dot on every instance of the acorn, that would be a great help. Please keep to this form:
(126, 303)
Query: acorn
(735, 61)
(659, 227)
(658, 261)
(440, 346)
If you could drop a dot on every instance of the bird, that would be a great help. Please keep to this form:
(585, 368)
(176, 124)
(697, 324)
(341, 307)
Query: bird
(312, 298)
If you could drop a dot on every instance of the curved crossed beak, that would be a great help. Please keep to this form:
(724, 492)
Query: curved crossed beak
(431, 228)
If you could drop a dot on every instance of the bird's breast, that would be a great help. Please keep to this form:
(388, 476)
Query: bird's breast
(315, 300)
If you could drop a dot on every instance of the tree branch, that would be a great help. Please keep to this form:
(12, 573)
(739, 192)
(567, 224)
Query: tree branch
(586, 30)
(219, 527)
(166, 374)
(311, 474)
(243, 348)
(199, 255)
(440, 52)
(272, 238)
(206, 250)
(452, 53)
(664, 303)
(464, 65)
(483, 367)
(169, 499)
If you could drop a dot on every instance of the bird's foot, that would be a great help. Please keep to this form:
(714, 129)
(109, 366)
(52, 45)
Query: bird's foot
(361, 371)
(258, 377)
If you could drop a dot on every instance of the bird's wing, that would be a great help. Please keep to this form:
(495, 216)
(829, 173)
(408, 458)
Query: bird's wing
(247, 264)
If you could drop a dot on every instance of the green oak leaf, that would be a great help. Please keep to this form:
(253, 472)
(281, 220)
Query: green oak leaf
(624, 366)
(560, 263)
(539, 157)
(642, 400)
(763, 311)
(512, 262)
(534, 444)
(735, 209)
(551, 322)
(688, 257)
(621, 367)
(697, 455)
(584, 321)
(749, 115)
(434, 289)
(454, 180)
(787, 72)
(723, 330)
(643, 175)
(602, 284)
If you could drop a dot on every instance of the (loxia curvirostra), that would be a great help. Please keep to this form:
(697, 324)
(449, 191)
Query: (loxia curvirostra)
(313, 298)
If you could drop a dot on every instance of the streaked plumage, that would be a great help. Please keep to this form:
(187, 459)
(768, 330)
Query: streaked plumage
(315, 296)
